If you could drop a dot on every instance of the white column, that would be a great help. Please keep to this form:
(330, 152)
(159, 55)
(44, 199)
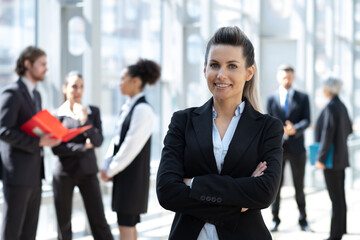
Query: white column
(92, 54)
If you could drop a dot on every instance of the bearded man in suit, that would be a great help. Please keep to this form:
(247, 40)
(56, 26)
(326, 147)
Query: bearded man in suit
(22, 154)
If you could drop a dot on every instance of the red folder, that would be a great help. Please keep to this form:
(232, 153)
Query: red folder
(43, 123)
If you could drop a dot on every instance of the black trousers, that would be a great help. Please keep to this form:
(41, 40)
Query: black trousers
(20, 212)
(297, 164)
(335, 182)
(91, 195)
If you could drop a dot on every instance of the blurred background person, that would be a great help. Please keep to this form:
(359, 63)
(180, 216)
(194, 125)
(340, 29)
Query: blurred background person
(22, 155)
(76, 165)
(127, 162)
(293, 109)
(333, 127)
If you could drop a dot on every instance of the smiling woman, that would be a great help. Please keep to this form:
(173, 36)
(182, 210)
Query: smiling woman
(213, 178)
(76, 164)
(227, 73)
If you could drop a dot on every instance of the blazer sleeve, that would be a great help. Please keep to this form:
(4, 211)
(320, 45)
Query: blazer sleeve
(327, 134)
(70, 148)
(173, 194)
(305, 119)
(248, 192)
(9, 131)
(95, 133)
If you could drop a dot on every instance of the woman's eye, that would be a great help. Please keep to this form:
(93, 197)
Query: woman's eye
(214, 65)
(232, 66)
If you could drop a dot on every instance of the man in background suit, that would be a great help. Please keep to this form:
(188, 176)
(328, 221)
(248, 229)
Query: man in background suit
(22, 154)
(292, 108)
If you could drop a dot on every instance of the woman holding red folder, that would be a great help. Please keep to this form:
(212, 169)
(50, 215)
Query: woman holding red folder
(333, 127)
(77, 165)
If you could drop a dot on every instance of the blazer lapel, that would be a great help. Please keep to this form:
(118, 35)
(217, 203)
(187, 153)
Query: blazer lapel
(246, 130)
(27, 96)
(202, 122)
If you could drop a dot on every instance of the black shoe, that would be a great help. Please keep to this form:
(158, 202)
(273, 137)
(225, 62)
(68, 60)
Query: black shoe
(274, 227)
(306, 228)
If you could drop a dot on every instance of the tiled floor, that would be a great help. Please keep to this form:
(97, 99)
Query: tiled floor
(156, 223)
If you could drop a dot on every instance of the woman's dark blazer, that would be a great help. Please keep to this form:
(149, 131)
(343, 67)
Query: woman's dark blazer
(334, 126)
(74, 159)
(218, 198)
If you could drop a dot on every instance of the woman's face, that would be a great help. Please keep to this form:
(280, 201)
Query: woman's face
(226, 72)
(74, 89)
(327, 93)
(128, 85)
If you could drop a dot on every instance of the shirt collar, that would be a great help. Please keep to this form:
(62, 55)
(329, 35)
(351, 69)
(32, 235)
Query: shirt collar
(131, 101)
(29, 85)
(284, 91)
(65, 111)
(238, 111)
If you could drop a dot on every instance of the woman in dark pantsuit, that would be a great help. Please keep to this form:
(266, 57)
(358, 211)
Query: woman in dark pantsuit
(333, 127)
(211, 171)
(77, 165)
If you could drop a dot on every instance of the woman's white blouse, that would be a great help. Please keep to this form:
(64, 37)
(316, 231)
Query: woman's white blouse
(141, 127)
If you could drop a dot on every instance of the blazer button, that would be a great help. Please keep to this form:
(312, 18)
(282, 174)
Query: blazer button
(202, 198)
(208, 198)
(219, 199)
(213, 199)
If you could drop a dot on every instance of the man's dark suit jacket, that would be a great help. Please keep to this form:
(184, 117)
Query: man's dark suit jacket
(21, 155)
(74, 158)
(218, 198)
(334, 126)
(298, 113)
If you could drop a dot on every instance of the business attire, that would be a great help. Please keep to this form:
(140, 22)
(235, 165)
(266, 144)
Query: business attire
(221, 170)
(22, 160)
(128, 159)
(76, 166)
(333, 127)
(294, 106)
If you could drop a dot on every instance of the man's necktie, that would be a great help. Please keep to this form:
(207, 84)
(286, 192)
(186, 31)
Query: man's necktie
(36, 100)
(286, 104)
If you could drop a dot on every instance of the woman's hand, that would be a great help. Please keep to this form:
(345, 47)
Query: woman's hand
(88, 144)
(104, 177)
(259, 171)
(320, 165)
(48, 140)
(187, 181)
(81, 112)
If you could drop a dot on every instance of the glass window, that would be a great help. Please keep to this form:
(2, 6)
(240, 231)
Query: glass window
(232, 4)
(320, 65)
(193, 8)
(282, 8)
(17, 31)
(130, 30)
(76, 35)
(226, 17)
(357, 12)
(194, 48)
